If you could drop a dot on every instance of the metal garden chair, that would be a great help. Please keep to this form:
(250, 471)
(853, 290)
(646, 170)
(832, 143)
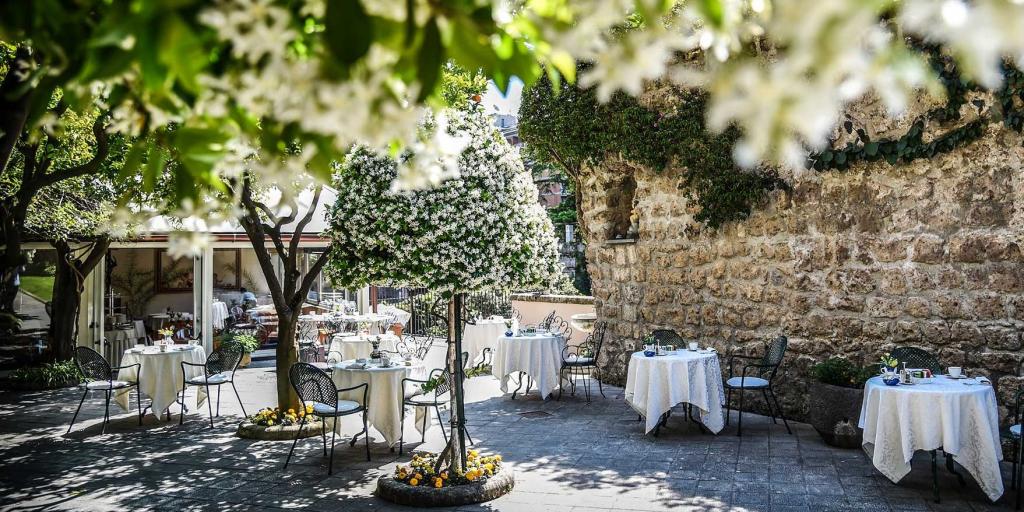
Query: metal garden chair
(219, 369)
(546, 322)
(764, 370)
(581, 361)
(100, 376)
(416, 397)
(917, 358)
(315, 387)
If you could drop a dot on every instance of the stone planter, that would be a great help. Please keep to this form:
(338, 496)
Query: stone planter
(425, 496)
(248, 430)
(834, 412)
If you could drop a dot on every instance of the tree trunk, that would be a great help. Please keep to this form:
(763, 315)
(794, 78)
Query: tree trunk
(455, 452)
(68, 285)
(287, 355)
(11, 259)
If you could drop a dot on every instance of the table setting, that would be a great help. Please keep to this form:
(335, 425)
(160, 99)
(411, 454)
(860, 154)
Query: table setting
(484, 333)
(911, 409)
(360, 346)
(535, 353)
(160, 374)
(385, 394)
(663, 376)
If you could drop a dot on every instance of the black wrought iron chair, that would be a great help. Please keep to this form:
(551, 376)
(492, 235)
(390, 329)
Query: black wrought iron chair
(581, 361)
(546, 322)
(668, 337)
(219, 369)
(917, 358)
(760, 379)
(100, 376)
(1013, 435)
(433, 399)
(315, 387)
(561, 327)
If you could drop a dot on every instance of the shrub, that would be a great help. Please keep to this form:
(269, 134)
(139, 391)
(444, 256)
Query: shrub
(49, 375)
(838, 371)
(246, 342)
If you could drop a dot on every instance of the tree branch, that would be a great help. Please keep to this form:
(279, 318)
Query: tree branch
(102, 150)
(309, 278)
(293, 246)
(13, 106)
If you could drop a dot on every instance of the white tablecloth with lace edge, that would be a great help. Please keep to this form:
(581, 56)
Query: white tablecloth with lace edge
(958, 416)
(540, 356)
(160, 375)
(656, 384)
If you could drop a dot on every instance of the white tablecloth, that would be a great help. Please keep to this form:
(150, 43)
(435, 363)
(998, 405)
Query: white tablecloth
(484, 334)
(656, 384)
(961, 419)
(161, 375)
(358, 347)
(385, 394)
(219, 314)
(540, 356)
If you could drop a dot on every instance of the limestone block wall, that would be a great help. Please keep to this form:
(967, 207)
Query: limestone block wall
(848, 263)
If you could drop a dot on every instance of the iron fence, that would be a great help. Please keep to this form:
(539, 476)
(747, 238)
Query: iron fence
(429, 309)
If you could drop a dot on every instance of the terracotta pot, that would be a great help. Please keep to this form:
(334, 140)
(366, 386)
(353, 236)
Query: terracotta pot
(246, 360)
(834, 412)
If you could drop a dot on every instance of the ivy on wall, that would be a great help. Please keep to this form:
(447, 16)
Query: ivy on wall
(911, 145)
(572, 129)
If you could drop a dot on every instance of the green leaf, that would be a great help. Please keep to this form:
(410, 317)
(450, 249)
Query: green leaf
(348, 30)
(430, 59)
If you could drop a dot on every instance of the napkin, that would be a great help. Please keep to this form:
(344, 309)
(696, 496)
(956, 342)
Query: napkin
(983, 380)
(356, 366)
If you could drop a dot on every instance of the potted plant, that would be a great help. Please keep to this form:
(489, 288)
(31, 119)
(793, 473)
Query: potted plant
(834, 400)
(247, 343)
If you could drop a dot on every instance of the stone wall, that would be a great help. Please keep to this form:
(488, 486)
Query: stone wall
(847, 263)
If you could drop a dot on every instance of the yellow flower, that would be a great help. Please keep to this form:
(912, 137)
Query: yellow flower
(444, 475)
(417, 476)
(414, 482)
(497, 458)
(489, 466)
(438, 483)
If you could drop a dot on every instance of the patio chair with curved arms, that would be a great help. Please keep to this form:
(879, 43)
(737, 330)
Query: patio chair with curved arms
(760, 379)
(315, 387)
(414, 396)
(581, 361)
(546, 322)
(668, 337)
(917, 358)
(100, 376)
(219, 369)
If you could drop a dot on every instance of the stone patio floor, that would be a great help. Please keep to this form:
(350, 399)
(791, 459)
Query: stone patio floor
(568, 455)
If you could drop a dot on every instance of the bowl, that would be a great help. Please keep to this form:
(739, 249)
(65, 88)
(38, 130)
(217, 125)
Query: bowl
(891, 381)
(649, 353)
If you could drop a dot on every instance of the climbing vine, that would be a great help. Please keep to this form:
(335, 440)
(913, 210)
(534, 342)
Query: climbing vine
(911, 145)
(572, 129)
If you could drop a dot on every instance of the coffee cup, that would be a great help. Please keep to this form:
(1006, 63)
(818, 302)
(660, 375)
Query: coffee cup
(693, 346)
(955, 371)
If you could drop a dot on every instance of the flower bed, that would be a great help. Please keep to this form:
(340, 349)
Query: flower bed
(417, 484)
(273, 425)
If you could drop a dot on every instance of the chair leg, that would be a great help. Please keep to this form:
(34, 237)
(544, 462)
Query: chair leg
(728, 406)
(218, 401)
(445, 435)
(106, 414)
(600, 387)
(209, 403)
(935, 476)
(426, 421)
(769, 404)
(401, 434)
(561, 373)
(586, 385)
(334, 433)
(239, 397)
(323, 435)
(366, 435)
(779, 410)
(302, 423)
(952, 469)
(181, 414)
(138, 394)
(1020, 471)
(739, 424)
(80, 402)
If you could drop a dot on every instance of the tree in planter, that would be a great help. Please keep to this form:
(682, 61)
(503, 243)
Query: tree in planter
(482, 229)
(261, 222)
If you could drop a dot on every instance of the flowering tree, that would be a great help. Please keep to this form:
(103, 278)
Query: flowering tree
(482, 229)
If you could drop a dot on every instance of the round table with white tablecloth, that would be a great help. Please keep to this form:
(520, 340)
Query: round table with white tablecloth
(959, 416)
(538, 355)
(385, 393)
(484, 333)
(656, 384)
(358, 347)
(160, 375)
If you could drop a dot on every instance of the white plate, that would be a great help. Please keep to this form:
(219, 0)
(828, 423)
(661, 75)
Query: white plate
(962, 376)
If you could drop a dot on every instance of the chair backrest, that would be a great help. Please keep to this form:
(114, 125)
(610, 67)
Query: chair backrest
(445, 385)
(92, 364)
(1017, 410)
(313, 384)
(224, 359)
(545, 323)
(596, 338)
(308, 331)
(668, 337)
(917, 358)
(773, 356)
(562, 327)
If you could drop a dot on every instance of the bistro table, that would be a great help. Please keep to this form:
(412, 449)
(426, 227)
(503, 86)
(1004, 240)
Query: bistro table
(484, 333)
(160, 374)
(958, 416)
(539, 356)
(385, 393)
(358, 347)
(656, 384)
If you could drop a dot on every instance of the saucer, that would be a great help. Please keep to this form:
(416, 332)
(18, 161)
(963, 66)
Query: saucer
(962, 376)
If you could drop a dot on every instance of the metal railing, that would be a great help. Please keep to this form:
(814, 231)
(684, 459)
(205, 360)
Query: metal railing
(429, 309)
